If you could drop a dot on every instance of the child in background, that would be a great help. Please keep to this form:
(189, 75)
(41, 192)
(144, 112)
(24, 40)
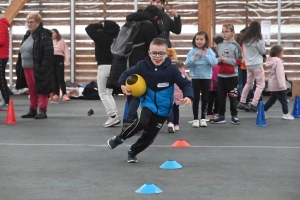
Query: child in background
(173, 119)
(230, 55)
(276, 81)
(200, 60)
(254, 48)
(213, 100)
(160, 76)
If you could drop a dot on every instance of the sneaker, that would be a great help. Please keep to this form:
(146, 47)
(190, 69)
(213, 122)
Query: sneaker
(112, 121)
(55, 97)
(243, 106)
(287, 116)
(203, 123)
(4, 107)
(220, 120)
(215, 116)
(171, 128)
(176, 127)
(209, 118)
(253, 108)
(235, 120)
(65, 98)
(131, 157)
(195, 123)
(114, 142)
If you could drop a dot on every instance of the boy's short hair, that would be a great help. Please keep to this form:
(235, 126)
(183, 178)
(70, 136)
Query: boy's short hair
(159, 42)
(229, 26)
(37, 17)
(276, 50)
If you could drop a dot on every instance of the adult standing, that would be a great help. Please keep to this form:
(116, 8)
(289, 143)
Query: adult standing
(166, 24)
(4, 46)
(103, 33)
(146, 33)
(34, 67)
(61, 59)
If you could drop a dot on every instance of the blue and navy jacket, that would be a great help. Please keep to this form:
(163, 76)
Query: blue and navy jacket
(160, 80)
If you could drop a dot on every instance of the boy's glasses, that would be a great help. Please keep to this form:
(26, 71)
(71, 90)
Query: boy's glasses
(160, 54)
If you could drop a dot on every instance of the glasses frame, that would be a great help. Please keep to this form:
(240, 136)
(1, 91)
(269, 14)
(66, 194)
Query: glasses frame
(30, 22)
(160, 54)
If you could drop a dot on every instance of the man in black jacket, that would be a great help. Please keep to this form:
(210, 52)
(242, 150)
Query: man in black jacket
(166, 23)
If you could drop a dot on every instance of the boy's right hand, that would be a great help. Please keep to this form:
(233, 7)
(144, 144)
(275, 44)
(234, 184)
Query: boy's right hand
(125, 90)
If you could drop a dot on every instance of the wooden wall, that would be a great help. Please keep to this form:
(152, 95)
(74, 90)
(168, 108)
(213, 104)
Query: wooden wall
(58, 12)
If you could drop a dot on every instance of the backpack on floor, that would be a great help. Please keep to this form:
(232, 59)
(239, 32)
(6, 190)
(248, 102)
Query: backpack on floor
(123, 45)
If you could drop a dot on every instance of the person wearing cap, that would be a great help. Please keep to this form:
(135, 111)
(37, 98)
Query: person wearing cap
(166, 24)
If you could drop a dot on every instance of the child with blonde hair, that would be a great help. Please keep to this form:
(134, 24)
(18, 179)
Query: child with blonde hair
(276, 81)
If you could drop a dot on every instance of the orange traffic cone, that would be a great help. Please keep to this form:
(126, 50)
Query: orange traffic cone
(10, 116)
(181, 143)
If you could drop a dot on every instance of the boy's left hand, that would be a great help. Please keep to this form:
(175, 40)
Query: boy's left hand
(187, 101)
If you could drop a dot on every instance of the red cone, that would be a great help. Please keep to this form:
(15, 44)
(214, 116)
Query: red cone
(10, 116)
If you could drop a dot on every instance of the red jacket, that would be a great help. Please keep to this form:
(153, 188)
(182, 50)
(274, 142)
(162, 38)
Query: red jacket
(4, 38)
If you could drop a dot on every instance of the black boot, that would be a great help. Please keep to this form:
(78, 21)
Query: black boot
(31, 114)
(42, 114)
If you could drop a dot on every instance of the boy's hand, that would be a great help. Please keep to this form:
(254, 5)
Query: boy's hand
(186, 101)
(125, 90)
(196, 56)
(223, 60)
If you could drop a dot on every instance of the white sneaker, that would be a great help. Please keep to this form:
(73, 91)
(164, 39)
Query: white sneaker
(203, 123)
(287, 116)
(176, 127)
(171, 128)
(112, 121)
(196, 123)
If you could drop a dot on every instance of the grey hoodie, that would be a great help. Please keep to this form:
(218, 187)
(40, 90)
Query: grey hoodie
(253, 51)
(233, 52)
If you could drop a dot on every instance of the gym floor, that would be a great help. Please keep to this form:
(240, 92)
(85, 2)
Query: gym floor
(66, 157)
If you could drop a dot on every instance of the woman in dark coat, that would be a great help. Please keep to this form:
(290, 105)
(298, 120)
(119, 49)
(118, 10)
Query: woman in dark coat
(34, 67)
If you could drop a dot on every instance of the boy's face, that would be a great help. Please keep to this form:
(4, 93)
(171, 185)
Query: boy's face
(227, 34)
(157, 3)
(158, 54)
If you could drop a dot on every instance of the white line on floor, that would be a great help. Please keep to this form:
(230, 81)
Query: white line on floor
(104, 145)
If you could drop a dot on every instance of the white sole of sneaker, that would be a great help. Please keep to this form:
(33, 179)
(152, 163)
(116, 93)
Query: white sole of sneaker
(110, 125)
(221, 122)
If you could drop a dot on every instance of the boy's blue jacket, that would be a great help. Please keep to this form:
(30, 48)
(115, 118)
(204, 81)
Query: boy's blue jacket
(160, 80)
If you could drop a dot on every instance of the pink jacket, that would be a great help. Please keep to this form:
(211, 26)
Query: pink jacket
(276, 80)
(177, 92)
(62, 49)
(4, 38)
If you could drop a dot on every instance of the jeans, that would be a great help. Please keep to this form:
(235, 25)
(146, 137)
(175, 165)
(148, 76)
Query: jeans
(259, 76)
(35, 99)
(282, 97)
(106, 93)
(133, 106)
